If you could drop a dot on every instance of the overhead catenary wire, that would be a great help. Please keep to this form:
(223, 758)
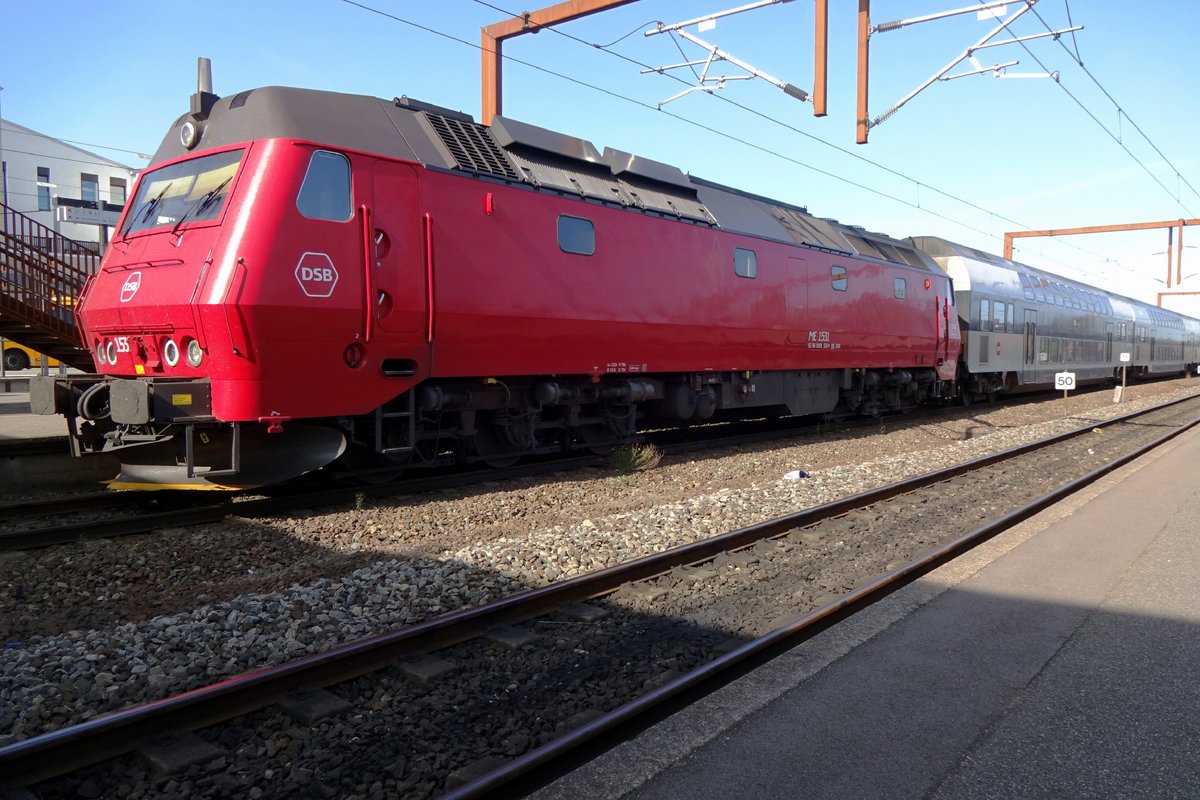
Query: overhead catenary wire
(91, 162)
(857, 156)
(729, 136)
(1104, 127)
(685, 120)
(1121, 111)
(8, 131)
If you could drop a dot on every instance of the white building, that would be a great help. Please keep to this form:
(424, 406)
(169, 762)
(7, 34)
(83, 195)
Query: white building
(36, 168)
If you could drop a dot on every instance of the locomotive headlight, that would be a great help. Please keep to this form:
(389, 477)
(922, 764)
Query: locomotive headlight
(100, 357)
(110, 351)
(189, 134)
(194, 354)
(170, 352)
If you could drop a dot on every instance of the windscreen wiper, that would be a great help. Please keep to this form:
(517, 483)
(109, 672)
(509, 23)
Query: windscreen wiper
(153, 204)
(203, 203)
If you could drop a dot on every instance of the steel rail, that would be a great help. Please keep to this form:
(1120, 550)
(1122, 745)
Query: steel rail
(39, 446)
(736, 662)
(65, 750)
(50, 535)
(232, 505)
(59, 505)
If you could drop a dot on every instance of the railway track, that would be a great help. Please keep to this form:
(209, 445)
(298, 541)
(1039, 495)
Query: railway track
(536, 675)
(43, 446)
(66, 519)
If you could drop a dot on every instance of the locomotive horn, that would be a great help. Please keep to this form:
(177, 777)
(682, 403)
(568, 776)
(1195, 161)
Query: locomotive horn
(204, 99)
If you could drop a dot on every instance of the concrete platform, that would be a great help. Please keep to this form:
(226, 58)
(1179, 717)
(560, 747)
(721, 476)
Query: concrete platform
(1061, 659)
(18, 422)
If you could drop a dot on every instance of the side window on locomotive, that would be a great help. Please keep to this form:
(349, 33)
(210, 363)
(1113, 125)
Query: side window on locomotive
(576, 235)
(838, 277)
(899, 288)
(325, 191)
(745, 263)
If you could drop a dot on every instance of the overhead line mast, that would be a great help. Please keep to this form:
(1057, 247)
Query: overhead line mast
(996, 9)
(492, 38)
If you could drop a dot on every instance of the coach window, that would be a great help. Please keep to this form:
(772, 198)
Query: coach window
(745, 263)
(1012, 317)
(325, 191)
(985, 315)
(899, 288)
(998, 316)
(576, 235)
(1027, 286)
(838, 277)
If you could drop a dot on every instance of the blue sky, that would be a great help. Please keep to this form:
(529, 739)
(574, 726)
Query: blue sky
(117, 73)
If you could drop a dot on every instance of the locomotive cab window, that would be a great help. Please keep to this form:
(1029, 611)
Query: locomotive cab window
(899, 288)
(576, 235)
(325, 191)
(838, 278)
(745, 263)
(188, 191)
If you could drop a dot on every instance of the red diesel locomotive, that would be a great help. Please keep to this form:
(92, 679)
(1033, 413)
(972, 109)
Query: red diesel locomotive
(307, 279)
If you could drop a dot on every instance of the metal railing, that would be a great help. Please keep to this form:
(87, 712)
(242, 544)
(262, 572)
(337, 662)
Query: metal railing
(41, 274)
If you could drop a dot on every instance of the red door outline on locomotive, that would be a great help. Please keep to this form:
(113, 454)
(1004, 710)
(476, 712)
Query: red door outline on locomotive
(797, 301)
(397, 254)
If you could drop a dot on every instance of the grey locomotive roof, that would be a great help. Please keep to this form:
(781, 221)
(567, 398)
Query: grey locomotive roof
(520, 153)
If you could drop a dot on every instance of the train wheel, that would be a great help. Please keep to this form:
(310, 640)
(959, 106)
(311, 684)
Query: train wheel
(597, 438)
(367, 467)
(964, 394)
(492, 448)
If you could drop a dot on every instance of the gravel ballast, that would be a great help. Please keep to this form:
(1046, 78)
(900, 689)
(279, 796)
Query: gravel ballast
(102, 625)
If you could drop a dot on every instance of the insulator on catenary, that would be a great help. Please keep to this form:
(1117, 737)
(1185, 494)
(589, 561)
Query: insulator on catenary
(796, 92)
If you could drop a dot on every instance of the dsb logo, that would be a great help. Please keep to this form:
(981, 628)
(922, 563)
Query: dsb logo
(130, 286)
(316, 274)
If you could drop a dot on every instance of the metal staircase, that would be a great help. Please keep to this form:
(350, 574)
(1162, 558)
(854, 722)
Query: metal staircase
(41, 276)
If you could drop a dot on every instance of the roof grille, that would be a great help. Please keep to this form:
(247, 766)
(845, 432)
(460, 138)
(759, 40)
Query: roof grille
(472, 147)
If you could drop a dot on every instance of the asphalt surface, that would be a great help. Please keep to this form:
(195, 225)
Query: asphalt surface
(1058, 660)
